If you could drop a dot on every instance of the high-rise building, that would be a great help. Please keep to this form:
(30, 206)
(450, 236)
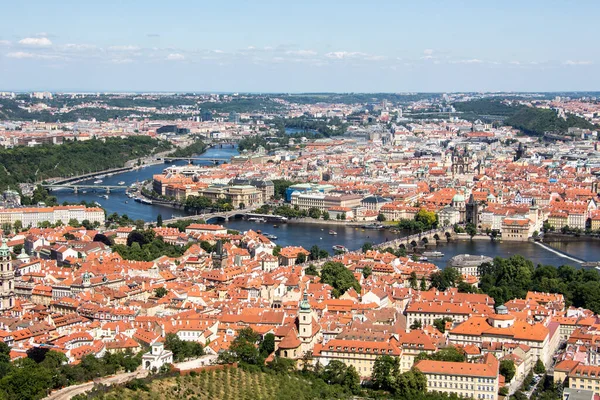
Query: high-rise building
(7, 279)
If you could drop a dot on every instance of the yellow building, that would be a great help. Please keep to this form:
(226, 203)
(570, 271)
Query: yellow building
(360, 354)
(465, 379)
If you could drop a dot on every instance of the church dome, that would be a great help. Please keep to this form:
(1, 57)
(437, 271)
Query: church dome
(458, 198)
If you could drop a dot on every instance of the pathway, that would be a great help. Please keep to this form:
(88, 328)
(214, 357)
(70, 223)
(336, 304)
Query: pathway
(72, 391)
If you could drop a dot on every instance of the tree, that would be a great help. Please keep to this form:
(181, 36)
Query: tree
(243, 348)
(160, 292)
(18, 226)
(99, 237)
(413, 280)
(445, 279)
(334, 373)
(74, 223)
(410, 384)
(423, 285)
(325, 215)
(539, 367)
(159, 220)
(267, 346)
(440, 323)
(417, 324)
(314, 213)
(367, 271)
(381, 217)
(367, 246)
(311, 270)
(385, 372)
(301, 258)
(276, 250)
(507, 369)
(339, 277)
(471, 230)
(429, 219)
(451, 354)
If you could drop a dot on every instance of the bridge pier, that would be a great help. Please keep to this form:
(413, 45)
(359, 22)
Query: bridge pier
(75, 189)
(108, 190)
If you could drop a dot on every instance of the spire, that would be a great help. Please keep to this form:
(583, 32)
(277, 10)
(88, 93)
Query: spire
(4, 250)
(304, 304)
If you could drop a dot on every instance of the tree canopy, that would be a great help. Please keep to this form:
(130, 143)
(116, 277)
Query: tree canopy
(339, 277)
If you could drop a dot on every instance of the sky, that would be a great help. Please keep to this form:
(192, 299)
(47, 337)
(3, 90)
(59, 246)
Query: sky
(300, 45)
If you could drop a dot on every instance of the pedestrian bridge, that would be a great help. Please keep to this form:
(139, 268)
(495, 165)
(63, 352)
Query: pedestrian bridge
(76, 187)
(419, 239)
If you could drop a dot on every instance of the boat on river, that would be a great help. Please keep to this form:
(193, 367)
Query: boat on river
(433, 254)
(372, 226)
(98, 181)
(332, 232)
(121, 182)
(339, 247)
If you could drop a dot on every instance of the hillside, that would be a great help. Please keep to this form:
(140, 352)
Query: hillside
(537, 121)
(30, 164)
(230, 383)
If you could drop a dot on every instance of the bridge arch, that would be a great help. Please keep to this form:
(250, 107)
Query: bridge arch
(436, 236)
(413, 243)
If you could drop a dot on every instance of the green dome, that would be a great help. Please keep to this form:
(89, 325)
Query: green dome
(4, 250)
(458, 198)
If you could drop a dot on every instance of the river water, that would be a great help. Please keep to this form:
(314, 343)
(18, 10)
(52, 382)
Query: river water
(307, 235)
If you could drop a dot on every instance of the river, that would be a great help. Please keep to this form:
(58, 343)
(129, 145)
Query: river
(307, 235)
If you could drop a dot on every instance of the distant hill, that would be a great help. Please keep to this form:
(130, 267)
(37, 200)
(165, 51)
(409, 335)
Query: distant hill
(537, 121)
(531, 121)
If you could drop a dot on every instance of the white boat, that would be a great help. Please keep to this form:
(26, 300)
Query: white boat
(332, 232)
(339, 247)
(422, 258)
(97, 181)
(121, 182)
(97, 204)
(433, 254)
(146, 201)
(105, 196)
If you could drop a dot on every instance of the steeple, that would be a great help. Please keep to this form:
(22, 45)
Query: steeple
(305, 318)
(7, 278)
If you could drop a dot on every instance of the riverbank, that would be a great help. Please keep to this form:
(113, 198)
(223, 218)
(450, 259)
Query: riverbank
(567, 237)
(332, 222)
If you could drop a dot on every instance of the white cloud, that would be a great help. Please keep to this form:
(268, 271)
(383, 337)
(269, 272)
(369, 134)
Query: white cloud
(175, 57)
(124, 48)
(121, 60)
(571, 62)
(470, 61)
(25, 54)
(515, 63)
(302, 53)
(344, 54)
(428, 52)
(4, 43)
(37, 42)
(78, 47)
(20, 54)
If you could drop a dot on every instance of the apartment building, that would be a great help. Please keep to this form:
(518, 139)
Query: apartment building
(324, 202)
(360, 354)
(465, 379)
(33, 216)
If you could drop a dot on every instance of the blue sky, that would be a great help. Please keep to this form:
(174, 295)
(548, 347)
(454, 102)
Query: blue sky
(300, 46)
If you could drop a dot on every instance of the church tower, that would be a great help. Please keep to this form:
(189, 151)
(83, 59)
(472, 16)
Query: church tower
(7, 279)
(305, 319)
(219, 257)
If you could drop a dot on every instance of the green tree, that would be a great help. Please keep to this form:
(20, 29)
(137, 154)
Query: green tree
(416, 325)
(539, 367)
(314, 213)
(507, 369)
(385, 372)
(325, 215)
(74, 223)
(339, 277)
(311, 270)
(413, 280)
(429, 219)
(160, 292)
(367, 246)
(381, 217)
(276, 250)
(440, 323)
(451, 353)
(471, 230)
(367, 271)
(301, 258)
(267, 345)
(159, 220)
